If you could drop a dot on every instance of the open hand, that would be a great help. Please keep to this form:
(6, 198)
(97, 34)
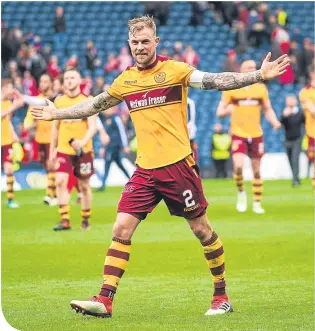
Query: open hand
(270, 70)
(44, 112)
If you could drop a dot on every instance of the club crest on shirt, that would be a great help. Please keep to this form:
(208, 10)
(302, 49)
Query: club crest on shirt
(160, 77)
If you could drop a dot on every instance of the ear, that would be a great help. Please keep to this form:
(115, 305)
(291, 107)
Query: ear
(157, 41)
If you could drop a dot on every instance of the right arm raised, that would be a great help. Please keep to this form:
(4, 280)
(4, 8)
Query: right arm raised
(83, 109)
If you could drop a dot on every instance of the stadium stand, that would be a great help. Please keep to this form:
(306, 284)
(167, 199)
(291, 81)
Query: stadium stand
(106, 24)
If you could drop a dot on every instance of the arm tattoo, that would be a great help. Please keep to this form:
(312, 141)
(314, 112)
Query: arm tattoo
(230, 80)
(87, 108)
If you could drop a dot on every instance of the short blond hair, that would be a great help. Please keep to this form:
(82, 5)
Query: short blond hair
(139, 23)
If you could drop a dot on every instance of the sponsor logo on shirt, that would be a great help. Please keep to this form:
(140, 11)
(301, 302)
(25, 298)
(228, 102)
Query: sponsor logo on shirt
(130, 82)
(248, 102)
(155, 97)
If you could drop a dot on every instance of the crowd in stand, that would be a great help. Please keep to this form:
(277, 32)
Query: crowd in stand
(25, 58)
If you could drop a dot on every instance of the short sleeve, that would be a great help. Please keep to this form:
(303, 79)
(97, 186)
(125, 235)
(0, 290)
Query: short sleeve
(303, 99)
(226, 97)
(183, 71)
(115, 89)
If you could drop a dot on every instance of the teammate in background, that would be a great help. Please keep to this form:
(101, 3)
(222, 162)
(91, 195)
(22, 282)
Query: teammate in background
(307, 99)
(117, 141)
(71, 143)
(43, 136)
(244, 105)
(8, 136)
(192, 129)
(156, 90)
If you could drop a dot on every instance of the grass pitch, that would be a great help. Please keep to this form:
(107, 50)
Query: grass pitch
(167, 285)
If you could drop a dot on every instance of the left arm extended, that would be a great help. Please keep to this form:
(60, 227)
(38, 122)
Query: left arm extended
(232, 80)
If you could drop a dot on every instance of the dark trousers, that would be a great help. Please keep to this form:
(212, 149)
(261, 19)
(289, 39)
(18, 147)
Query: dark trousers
(220, 168)
(113, 154)
(293, 148)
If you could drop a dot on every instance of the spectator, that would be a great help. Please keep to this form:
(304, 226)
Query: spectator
(221, 143)
(73, 62)
(229, 12)
(60, 29)
(91, 58)
(258, 31)
(304, 60)
(190, 56)
(12, 70)
(37, 43)
(86, 85)
(243, 15)
(22, 58)
(230, 64)
(297, 36)
(271, 27)
(157, 9)
(164, 52)
(124, 59)
(29, 84)
(46, 53)
(241, 38)
(18, 83)
(112, 63)
(281, 36)
(293, 120)
(289, 76)
(58, 85)
(282, 17)
(177, 57)
(198, 9)
(53, 68)
(35, 63)
(98, 87)
(178, 48)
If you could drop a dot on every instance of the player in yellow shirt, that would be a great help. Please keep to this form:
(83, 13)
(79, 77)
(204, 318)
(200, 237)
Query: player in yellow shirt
(8, 136)
(155, 91)
(71, 144)
(307, 99)
(43, 136)
(244, 106)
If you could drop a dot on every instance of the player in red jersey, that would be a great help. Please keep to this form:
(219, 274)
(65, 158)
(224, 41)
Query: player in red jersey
(155, 91)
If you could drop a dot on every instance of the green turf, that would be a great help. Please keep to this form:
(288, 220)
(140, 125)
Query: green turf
(167, 286)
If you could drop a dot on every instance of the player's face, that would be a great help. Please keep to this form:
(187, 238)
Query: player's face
(45, 84)
(143, 46)
(57, 87)
(72, 80)
(7, 91)
(248, 66)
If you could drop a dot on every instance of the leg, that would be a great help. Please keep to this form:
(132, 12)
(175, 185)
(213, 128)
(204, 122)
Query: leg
(108, 161)
(257, 186)
(295, 158)
(238, 163)
(8, 170)
(86, 200)
(117, 159)
(288, 147)
(63, 201)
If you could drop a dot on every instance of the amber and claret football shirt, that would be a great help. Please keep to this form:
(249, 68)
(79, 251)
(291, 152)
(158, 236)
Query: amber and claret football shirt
(157, 100)
(43, 128)
(75, 128)
(248, 101)
(307, 95)
(6, 134)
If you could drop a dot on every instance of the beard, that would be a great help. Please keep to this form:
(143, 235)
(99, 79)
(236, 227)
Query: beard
(146, 60)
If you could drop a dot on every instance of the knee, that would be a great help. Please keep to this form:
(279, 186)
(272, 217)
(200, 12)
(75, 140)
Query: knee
(61, 182)
(256, 174)
(201, 231)
(121, 231)
(238, 171)
(85, 188)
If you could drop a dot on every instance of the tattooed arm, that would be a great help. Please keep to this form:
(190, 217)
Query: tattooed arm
(83, 109)
(232, 80)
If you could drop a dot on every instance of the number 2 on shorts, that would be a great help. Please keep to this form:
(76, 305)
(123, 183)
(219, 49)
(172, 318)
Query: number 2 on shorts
(189, 202)
(85, 168)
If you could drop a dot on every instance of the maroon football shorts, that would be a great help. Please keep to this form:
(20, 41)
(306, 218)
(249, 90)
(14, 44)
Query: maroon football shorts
(6, 153)
(178, 184)
(311, 149)
(253, 147)
(82, 165)
(43, 153)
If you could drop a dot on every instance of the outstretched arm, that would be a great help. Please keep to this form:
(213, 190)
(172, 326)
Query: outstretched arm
(83, 109)
(233, 80)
